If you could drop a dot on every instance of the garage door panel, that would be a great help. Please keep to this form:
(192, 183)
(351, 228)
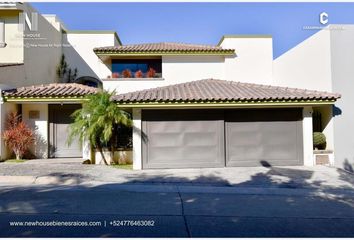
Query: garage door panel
(215, 138)
(253, 136)
(186, 140)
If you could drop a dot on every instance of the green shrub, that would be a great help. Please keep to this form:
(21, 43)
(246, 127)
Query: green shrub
(319, 141)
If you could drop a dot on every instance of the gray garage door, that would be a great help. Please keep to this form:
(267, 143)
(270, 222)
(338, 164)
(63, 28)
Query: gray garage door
(183, 139)
(218, 138)
(258, 137)
(59, 120)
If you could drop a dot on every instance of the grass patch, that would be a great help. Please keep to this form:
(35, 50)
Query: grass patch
(14, 161)
(123, 166)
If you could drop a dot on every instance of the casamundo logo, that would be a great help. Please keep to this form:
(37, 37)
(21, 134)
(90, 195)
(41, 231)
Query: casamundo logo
(324, 18)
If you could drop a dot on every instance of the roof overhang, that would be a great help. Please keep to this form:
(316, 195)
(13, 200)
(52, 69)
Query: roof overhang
(227, 104)
(104, 56)
(45, 99)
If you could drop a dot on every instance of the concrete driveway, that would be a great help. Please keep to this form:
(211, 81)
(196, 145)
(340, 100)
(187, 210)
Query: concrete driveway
(71, 171)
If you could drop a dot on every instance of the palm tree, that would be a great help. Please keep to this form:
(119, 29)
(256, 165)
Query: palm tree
(96, 121)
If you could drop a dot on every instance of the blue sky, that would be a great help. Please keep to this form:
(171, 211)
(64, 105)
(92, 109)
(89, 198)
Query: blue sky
(202, 23)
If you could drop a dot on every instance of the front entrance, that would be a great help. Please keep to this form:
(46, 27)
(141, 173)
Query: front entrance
(59, 120)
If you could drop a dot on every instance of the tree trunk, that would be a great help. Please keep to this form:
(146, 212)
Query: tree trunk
(18, 155)
(101, 152)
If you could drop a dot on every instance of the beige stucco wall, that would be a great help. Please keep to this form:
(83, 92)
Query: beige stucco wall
(5, 109)
(13, 51)
(12, 74)
(79, 52)
(40, 50)
(40, 126)
(42, 53)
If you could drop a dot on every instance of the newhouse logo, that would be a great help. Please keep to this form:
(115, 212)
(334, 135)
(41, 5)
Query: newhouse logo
(30, 23)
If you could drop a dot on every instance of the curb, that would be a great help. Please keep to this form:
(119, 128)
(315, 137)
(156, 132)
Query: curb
(13, 180)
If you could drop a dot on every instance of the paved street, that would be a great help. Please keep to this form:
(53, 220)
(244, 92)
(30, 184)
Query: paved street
(176, 211)
(219, 202)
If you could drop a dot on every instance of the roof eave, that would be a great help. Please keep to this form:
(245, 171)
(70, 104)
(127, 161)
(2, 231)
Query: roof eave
(162, 53)
(225, 104)
(59, 99)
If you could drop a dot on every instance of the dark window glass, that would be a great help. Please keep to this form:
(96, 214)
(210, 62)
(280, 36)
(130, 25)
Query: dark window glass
(134, 65)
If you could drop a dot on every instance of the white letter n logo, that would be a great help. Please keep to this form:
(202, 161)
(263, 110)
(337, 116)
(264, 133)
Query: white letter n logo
(31, 24)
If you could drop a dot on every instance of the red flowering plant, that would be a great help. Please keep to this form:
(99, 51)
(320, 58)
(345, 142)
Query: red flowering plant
(139, 74)
(127, 73)
(115, 75)
(17, 136)
(151, 73)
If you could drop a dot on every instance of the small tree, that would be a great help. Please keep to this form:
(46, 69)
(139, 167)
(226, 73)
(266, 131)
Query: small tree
(17, 136)
(64, 73)
(96, 121)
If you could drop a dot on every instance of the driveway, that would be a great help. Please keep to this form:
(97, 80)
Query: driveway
(71, 171)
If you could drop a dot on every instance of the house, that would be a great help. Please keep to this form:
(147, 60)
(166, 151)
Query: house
(228, 104)
(30, 53)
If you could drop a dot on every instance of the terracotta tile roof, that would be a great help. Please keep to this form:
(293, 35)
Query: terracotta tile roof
(164, 47)
(10, 64)
(221, 91)
(51, 90)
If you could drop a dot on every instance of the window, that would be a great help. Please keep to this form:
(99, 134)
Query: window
(2, 34)
(136, 68)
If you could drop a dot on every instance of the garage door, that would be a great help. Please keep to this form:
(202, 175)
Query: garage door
(258, 137)
(59, 120)
(183, 139)
(218, 138)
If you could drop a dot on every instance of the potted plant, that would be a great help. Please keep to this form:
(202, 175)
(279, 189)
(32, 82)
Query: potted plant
(17, 136)
(123, 153)
(139, 74)
(151, 73)
(95, 123)
(319, 141)
(321, 155)
(115, 75)
(127, 73)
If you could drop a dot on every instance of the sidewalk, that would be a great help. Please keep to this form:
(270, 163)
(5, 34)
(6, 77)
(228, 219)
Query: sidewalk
(314, 179)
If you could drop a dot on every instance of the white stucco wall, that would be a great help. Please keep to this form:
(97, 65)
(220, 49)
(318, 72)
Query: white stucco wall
(342, 57)
(79, 52)
(325, 62)
(40, 126)
(253, 60)
(137, 140)
(307, 136)
(307, 65)
(175, 69)
(252, 63)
